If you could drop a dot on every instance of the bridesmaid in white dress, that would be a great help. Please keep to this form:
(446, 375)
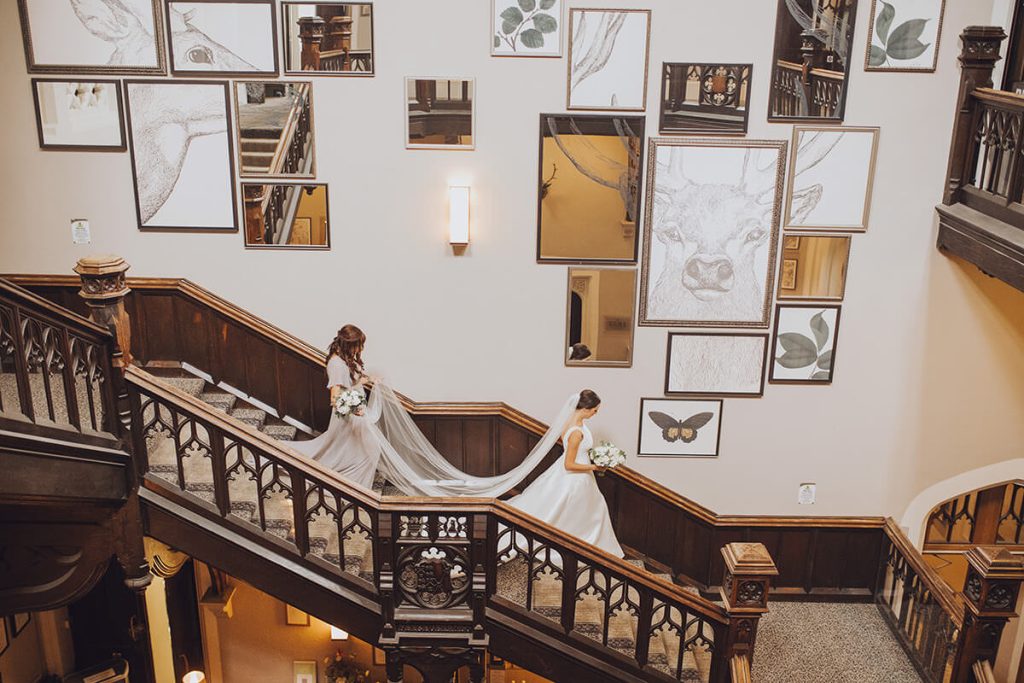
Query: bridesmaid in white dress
(566, 494)
(349, 446)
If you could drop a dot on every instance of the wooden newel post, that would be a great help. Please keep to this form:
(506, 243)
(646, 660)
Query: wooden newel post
(748, 575)
(978, 57)
(255, 219)
(311, 34)
(990, 593)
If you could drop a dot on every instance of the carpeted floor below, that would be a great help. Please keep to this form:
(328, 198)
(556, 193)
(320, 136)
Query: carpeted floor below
(828, 643)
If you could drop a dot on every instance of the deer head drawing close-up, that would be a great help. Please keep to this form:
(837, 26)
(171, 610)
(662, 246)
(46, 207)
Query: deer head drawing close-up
(715, 236)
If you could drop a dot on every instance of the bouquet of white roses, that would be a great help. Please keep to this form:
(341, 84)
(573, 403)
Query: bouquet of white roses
(348, 402)
(607, 455)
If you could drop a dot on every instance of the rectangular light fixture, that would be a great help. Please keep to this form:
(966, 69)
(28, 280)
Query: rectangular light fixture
(338, 634)
(458, 217)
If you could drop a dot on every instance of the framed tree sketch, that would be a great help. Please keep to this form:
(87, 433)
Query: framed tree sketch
(811, 63)
(181, 151)
(527, 28)
(707, 99)
(830, 177)
(814, 267)
(711, 231)
(222, 37)
(93, 36)
(805, 343)
(588, 188)
(439, 113)
(328, 38)
(679, 428)
(903, 35)
(78, 116)
(716, 364)
(608, 56)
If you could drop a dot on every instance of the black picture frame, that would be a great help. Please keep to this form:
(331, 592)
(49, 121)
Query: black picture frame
(286, 37)
(288, 247)
(590, 124)
(835, 343)
(741, 74)
(640, 428)
(116, 85)
(198, 73)
(710, 393)
(230, 152)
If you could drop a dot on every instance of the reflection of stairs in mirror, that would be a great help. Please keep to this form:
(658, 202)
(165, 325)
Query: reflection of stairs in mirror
(258, 145)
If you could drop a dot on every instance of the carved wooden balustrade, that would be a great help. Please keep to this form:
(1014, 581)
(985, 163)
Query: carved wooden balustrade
(990, 516)
(55, 371)
(806, 92)
(327, 45)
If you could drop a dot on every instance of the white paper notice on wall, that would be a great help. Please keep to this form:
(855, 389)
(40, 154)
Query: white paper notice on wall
(80, 231)
(806, 494)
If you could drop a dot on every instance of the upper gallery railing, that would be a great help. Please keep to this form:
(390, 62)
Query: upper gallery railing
(990, 516)
(55, 370)
(799, 91)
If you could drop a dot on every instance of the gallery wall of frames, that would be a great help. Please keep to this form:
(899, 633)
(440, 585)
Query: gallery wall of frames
(670, 216)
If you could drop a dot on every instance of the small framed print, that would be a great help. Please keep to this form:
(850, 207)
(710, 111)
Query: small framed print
(787, 276)
(223, 38)
(804, 343)
(304, 671)
(716, 364)
(679, 428)
(903, 35)
(527, 28)
(790, 242)
(295, 617)
(79, 116)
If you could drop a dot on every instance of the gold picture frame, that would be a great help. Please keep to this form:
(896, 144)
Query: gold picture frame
(573, 11)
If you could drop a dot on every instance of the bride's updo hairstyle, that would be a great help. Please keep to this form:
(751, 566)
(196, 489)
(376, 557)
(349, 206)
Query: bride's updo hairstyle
(348, 346)
(588, 400)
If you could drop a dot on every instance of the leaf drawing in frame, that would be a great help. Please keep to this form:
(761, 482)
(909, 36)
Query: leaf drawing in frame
(902, 39)
(804, 356)
(526, 28)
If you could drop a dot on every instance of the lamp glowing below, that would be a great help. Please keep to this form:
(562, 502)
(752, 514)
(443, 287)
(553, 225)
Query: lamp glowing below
(194, 677)
(458, 216)
(338, 634)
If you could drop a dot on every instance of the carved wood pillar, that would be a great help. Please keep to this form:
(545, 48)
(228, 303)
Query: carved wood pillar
(255, 223)
(748, 573)
(990, 593)
(978, 57)
(339, 31)
(311, 33)
(104, 289)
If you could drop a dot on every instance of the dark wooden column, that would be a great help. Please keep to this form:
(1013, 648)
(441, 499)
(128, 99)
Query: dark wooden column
(104, 289)
(339, 35)
(255, 221)
(311, 33)
(978, 57)
(748, 574)
(990, 594)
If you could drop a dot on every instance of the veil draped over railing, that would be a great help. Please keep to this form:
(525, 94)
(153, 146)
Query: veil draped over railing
(411, 463)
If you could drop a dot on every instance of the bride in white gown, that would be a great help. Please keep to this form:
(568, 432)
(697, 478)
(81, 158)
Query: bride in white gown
(566, 494)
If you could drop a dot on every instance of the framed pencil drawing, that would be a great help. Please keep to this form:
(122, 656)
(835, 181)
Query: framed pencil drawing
(608, 57)
(716, 364)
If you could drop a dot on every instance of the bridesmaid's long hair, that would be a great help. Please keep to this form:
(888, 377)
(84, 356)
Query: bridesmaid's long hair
(348, 346)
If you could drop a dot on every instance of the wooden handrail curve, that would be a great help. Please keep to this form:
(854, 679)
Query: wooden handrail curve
(949, 599)
(57, 313)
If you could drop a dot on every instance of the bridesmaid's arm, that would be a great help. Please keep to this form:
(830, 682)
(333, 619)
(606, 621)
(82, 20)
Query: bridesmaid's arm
(571, 449)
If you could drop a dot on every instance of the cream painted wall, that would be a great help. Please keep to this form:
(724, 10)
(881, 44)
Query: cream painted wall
(929, 369)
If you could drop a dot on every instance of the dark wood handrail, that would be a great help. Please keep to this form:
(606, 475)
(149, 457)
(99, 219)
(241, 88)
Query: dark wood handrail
(950, 601)
(11, 289)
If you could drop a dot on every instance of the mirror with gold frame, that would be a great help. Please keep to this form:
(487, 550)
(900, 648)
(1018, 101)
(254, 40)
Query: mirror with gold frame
(274, 128)
(588, 195)
(814, 267)
(286, 215)
(439, 113)
(600, 314)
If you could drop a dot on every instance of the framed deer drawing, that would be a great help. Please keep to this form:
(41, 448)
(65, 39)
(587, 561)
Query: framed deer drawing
(214, 37)
(672, 427)
(182, 160)
(711, 232)
(830, 177)
(609, 51)
(93, 36)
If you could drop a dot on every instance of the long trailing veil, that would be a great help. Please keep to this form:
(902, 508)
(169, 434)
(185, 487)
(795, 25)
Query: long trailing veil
(413, 465)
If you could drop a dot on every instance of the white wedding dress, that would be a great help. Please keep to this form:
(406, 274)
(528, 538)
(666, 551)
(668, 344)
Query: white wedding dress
(571, 501)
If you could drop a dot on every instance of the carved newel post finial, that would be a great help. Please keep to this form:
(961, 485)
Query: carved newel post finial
(990, 593)
(749, 569)
(311, 34)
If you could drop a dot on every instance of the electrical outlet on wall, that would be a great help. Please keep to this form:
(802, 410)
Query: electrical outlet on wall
(806, 493)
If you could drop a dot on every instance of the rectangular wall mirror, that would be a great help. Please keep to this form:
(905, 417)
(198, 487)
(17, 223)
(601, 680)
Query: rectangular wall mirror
(286, 215)
(813, 41)
(711, 99)
(599, 317)
(330, 38)
(439, 113)
(274, 127)
(814, 267)
(588, 195)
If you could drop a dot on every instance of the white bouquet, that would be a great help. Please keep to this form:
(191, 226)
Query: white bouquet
(607, 455)
(348, 402)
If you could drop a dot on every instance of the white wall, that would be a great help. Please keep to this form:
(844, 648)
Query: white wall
(929, 372)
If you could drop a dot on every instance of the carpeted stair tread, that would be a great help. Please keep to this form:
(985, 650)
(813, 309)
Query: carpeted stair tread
(219, 400)
(281, 431)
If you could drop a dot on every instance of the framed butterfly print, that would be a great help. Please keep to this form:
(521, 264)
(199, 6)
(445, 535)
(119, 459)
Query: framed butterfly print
(679, 428)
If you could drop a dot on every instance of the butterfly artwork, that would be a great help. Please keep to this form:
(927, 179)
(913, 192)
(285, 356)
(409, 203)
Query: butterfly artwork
(676, 427)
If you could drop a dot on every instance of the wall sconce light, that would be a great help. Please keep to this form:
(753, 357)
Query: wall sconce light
(338, 634)
(458, 217)
(194, 677)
